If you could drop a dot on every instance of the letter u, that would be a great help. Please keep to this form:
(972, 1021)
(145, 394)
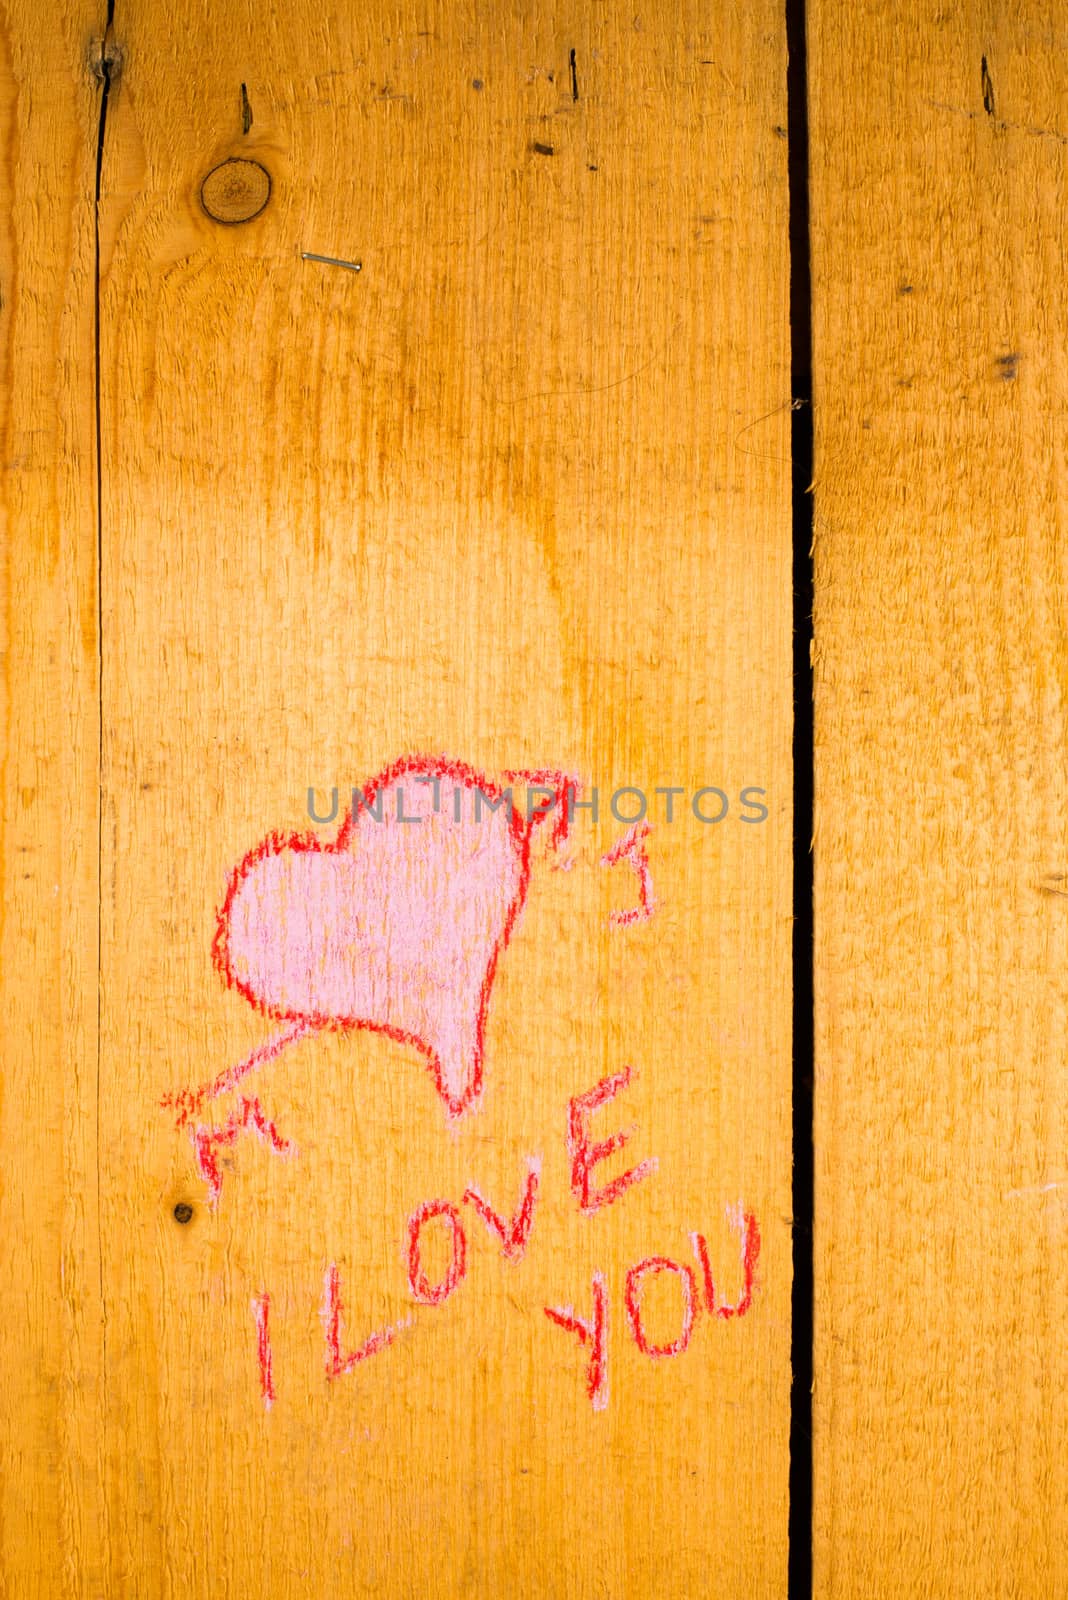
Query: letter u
(311, 806)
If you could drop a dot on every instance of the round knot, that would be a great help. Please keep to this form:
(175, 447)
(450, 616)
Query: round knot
(235, 191)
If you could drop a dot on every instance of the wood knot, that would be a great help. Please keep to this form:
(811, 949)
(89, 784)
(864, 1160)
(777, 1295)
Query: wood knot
(105, 60)
(235, 191)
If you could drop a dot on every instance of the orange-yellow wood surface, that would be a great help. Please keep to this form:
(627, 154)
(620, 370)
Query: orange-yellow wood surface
(941, 391)
(517, 490)
(51, 1353)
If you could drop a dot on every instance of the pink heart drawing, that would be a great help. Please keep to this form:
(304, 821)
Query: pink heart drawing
(397, 925)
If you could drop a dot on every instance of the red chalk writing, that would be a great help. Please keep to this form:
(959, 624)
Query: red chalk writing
(337, 1365)
(515, 1233)
(631, 848)
(189, 1102)
(651, 1267)
(697, 1294)
(594, 1333)
(556, 792)
(396, 926)
(745, 1225)
(585, 1155)
(594, 1330)
(261, 1311)
(206, 1141)
(436, 1294)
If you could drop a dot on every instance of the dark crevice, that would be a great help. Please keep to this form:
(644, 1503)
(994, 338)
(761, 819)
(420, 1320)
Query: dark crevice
(986, 83)
(105, 71)
(802, 456)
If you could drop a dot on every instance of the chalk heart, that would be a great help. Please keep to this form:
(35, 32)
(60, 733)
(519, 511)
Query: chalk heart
(397, 925)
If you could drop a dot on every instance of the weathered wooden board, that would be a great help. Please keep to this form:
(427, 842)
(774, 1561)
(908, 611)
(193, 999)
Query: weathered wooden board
(940, 153)
(510, 488)
(50, 1328)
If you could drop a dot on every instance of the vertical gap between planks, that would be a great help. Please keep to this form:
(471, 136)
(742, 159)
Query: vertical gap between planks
(104, 71)
(802, 460)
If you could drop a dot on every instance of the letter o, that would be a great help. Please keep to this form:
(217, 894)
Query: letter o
(699, 814)
(422, 1290)
(615, 809)
(635, 1278)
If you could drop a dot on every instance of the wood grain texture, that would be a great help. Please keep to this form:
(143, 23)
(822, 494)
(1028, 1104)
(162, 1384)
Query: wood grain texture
(50, 1327)
(941, 833)
(516, 490)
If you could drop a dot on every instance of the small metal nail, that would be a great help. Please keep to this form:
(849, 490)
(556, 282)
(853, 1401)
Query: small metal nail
(331, 261)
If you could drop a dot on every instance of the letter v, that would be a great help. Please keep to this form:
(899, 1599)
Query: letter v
(514, 1233)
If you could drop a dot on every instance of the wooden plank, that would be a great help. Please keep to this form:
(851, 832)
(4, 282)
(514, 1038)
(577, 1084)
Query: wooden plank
(51, 1329)
(940, 1420)
(515, 490)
